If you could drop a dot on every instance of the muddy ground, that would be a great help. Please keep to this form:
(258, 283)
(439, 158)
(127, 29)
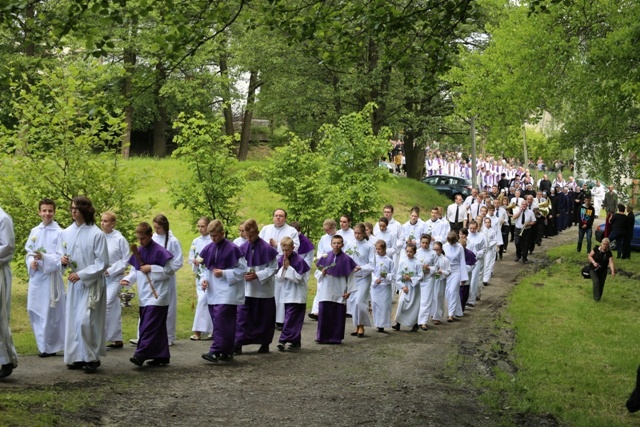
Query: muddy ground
(401, 378)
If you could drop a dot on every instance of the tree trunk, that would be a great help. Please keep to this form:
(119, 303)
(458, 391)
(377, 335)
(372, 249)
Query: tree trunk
(29, 45)
(414, 156)
(226, 96)
(129, 63)
(248, 115)
(160, 121)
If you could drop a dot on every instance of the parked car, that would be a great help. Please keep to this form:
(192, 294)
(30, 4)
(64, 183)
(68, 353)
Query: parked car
(449, 185)
(635, 241)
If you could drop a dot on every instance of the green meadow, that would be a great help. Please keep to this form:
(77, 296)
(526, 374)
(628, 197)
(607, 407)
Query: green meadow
(575, 358)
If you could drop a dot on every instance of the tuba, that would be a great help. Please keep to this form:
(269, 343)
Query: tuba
(545, 207)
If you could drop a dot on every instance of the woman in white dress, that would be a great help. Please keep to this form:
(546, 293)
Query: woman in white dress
(201, 319)
(442, 271)
(408, 279)
(362, 253)
(455, 253)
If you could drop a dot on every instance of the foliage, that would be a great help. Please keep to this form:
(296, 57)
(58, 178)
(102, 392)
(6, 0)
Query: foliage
(341, 177)
(212, 185)
(62, 144)
(301, 177)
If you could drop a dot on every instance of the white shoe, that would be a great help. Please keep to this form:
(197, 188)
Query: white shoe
(133, 341)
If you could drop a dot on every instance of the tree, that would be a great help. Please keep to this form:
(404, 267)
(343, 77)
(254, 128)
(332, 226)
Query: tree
(213, 186)
(68, 144)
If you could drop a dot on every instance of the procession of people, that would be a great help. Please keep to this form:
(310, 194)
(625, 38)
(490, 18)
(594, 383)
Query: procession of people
(257, 285)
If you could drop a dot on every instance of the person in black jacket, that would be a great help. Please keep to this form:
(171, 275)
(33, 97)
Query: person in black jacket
(618, 228)
(628, 233)
(586, 215)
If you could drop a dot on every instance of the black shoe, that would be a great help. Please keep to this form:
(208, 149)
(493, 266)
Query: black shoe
(295, 346)
(138, 361)
(633, 404)
(396, 327)
(6, 370)
(91, 367)
(237, 350)
(485, 283)
(114, 345)
(46, 354)
(313, 316)
(381, 330)
(211, 357)
(361, 335)
(264, 348)
(517, 259)
(281, 346)
(76, 365)
(348, 316)
(415, 328)
(158, 361)
(225, 357)
(279, 326)
(353, 334)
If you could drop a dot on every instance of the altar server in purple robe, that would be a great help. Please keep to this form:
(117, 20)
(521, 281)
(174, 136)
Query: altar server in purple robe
(153, 272)
(225, 290)
(336, 281)
(256, 320)
(293, 274)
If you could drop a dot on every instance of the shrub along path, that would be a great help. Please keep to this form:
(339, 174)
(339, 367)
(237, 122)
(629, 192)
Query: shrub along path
(400, 378)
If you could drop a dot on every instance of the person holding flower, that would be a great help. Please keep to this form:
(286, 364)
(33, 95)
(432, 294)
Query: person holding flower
(46, 297)
(442, 271)
(408, 282)
(336, 281)
(201, 319)
(427, 258)
(381, 287)
(119, 254)
(82, 249)
(363, 253)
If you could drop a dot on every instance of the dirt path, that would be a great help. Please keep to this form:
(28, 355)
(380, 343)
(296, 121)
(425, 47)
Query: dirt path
(401, 378)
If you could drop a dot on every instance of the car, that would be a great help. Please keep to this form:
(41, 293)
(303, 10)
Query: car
(449, 185)
(635, 241)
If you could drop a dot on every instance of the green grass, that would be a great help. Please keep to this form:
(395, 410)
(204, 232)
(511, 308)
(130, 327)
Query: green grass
(576, 358)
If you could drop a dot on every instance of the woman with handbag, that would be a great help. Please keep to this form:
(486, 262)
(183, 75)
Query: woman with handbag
(599, 258)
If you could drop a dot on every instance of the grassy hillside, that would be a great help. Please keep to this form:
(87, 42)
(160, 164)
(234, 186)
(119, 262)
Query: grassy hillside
(256, 202)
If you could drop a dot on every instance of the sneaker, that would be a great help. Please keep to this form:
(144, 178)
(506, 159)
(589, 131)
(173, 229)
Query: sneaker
(295, 346)
(211, 357)
(138, 361)
(133, 341)
(225, 357)
(281, 346)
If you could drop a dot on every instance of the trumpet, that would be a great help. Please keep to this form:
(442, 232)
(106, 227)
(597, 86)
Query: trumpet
(526, 227)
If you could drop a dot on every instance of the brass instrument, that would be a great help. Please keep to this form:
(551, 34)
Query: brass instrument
(545, 207)
(511, 206)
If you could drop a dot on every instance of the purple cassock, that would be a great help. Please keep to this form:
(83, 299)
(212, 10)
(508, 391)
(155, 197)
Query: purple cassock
(256, 319)
(294, 312)
(470, 260)
(153, 342)
(223, 255)
(331, 315)
(305, 244)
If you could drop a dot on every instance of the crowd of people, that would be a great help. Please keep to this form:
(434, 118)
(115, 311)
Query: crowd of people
(257, 284)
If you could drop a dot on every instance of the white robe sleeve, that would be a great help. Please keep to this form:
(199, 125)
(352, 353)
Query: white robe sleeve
(120, 265)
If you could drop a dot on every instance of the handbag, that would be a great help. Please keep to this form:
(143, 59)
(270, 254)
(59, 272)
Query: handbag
(585, 271)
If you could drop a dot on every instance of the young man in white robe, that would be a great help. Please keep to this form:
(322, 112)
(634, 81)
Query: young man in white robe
(201, 319)
(119, 254)
(427, 258)
(82, 248)
(46, 296)
(8, 355)
(476, 243)
(324, 247)
(395, 228)
(362, 252)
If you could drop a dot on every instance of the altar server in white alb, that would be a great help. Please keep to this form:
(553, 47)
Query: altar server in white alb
(362, 253)
(427, 258)
(408, 279)
(165, 238)
(83, 250)
(455, 254)
(324, 247)
(442, 272)
(8, 355)
(46, 297)
(294, 274)
(202, 319)
(382, 288)
(119, 254)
